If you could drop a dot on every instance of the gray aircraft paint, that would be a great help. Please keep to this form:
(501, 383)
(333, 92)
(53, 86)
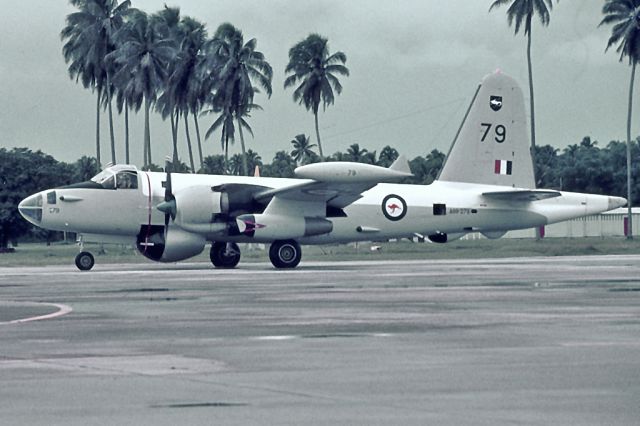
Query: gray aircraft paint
(494, 130)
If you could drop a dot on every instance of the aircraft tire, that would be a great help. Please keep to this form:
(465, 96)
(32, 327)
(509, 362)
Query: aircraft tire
(224, 257)
(85, 261)
(285, 254)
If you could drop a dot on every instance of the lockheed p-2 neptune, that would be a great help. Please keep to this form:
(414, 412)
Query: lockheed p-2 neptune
(486, 185)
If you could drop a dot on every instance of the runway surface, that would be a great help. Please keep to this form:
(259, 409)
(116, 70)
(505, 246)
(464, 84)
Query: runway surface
(484, 342)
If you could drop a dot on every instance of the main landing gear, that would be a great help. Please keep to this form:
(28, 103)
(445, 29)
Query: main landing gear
(284, 254)
(85, 261)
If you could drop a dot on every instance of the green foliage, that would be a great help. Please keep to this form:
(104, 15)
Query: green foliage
(625, 17)
(177, 167)
(522, 11)
(152, 168)
(282, 166)
(85, 168)
(236, 163)
(426, 169)
(356, 154)
(22, 173)
(213, 165)
(302, 151)
(387, 156)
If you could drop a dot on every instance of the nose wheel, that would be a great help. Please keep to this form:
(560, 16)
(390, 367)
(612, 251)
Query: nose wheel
(85, 261)
(285, 254)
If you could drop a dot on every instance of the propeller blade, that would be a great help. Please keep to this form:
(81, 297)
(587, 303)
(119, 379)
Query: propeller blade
(168, 207)
(168, 194)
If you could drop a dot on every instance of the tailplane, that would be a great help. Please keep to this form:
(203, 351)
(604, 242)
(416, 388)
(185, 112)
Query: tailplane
(492, 146)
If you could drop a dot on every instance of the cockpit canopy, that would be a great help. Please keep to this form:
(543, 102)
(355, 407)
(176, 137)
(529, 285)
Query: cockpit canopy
(121, 176)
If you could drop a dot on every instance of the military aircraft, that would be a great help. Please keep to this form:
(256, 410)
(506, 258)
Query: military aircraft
(486, 185)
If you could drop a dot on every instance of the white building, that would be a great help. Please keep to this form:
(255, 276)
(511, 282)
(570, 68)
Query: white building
(609, 224)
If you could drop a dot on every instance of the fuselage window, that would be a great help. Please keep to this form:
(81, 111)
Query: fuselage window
(127, 180)
(439, 209)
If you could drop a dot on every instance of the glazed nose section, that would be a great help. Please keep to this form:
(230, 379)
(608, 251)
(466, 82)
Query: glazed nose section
(31, 209)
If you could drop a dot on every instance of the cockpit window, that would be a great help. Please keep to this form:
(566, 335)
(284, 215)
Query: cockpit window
(121, 176)
(127, 179)
(106, 179)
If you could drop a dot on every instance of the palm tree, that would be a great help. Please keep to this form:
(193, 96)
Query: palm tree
(236, 66)
(387, 156)
(625, 17)
(355, 154)
(192, 35)
(314, 70)
(89, 38)
(213, 165)
(302, 149)
(253, 159)
(235, 164)
(522, 11)
(85, 168)
(127, 97)
(143, 56)
(165, 22)
(225, 123)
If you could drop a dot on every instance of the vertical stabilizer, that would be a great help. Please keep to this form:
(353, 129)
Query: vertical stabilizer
(492, 146)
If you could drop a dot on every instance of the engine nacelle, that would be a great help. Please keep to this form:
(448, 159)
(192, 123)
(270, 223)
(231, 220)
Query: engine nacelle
(205, 210)
(278, 227)
(198, 205)
(174, 245)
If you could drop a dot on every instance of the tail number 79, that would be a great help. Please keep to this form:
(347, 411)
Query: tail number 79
(499, 131)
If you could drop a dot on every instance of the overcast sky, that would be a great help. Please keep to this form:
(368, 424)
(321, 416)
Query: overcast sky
(414, 67)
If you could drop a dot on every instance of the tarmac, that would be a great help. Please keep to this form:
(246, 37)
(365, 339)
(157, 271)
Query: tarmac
(533, 341)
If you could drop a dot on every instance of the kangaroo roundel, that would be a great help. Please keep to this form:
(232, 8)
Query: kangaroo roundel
(394, 207)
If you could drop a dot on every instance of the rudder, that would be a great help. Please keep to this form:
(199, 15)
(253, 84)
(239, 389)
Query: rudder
(492, 145)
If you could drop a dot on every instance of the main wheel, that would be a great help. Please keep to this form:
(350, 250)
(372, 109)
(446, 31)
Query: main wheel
(224, 255)
(85, 261)
(285, 254)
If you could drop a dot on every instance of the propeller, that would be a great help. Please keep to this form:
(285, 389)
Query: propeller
(168, 206)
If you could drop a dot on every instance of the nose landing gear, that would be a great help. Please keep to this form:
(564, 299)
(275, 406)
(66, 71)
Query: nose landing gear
(224, 255)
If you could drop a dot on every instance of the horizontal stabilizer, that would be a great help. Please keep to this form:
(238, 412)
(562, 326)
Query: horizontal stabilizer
(522, 195)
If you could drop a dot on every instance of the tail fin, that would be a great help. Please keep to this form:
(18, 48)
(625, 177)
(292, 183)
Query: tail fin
(492, 146)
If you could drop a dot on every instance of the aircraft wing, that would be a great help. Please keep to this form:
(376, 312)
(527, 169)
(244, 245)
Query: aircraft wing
(524, 195)
(336, 184)
(338, 195)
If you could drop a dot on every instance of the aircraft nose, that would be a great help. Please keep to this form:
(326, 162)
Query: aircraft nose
(616, 202)
(31, 208)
